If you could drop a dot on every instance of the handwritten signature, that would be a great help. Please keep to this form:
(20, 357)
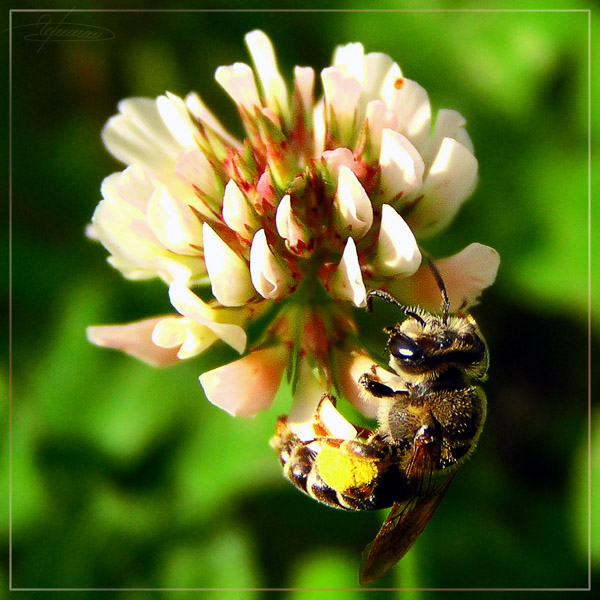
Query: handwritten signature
(62, 31)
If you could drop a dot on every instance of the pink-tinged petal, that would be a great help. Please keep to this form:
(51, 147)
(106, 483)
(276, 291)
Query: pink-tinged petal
(304, 81)
(238, 81)
(465, 276)
(248, 385)
(271, 277)
(350, 366)
(228, 272)
(401, 166)
(139, 135)
(450, 181)
(267, 197)
(134, 339)
(397, 252)
(206, 117)
(353, 211)
(265, 64)
(346, 282)
(340, 157)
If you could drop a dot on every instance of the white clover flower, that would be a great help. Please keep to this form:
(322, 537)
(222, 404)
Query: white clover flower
(322, 201)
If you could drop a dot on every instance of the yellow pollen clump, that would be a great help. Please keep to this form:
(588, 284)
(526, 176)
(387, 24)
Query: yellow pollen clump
(341, 470)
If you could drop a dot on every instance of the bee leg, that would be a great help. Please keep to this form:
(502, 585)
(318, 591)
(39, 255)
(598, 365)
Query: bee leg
(378, 389)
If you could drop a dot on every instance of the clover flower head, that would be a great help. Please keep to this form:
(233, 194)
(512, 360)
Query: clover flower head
(321, 201)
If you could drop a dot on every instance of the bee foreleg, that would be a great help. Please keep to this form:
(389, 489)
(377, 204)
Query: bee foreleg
(378, 389)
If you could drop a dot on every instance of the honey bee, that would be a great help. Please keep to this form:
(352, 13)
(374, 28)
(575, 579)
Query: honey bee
(426, 430)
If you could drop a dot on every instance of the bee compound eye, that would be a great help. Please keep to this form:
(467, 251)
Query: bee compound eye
(405, 349)
(466, 338)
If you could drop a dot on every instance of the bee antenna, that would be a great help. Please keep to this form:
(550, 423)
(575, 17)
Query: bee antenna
(409, 312)
(442, 286)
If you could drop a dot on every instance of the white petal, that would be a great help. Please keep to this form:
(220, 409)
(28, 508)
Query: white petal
(120, 223)
(401, 166)
(397, 252)
(202, 114)
(378, 117)
(391, 80)
(176, 117)
(337, 425)
(198, 339)
(307, 396)
(347, 282)
(296, 236)
(319, 126)
(351, 365)
(410, 103)
(174, 224)
(170, 331)
(449, 123)
(135, 339)
(228, 272)
(180, 268)
(350, 58)
(238, 81)
(248, 385)
(311, 407)
(139, 135)
(128, 192)
(194, 168)
(180, 332)
(189, 305)
(282, 217)
(450, 181)
(271, 80)
(237, 212)
(352, 207)
(377, 66)
(342, 93)
(270, 277)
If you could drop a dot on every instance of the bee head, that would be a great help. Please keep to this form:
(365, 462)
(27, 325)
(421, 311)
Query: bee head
(426, 345)
(430, 345)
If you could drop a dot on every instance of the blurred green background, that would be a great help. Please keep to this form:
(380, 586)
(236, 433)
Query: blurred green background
(124, 476)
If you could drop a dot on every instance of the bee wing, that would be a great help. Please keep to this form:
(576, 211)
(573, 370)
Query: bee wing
(405, 522)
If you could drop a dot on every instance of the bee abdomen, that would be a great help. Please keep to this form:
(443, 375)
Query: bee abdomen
(350, 475)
